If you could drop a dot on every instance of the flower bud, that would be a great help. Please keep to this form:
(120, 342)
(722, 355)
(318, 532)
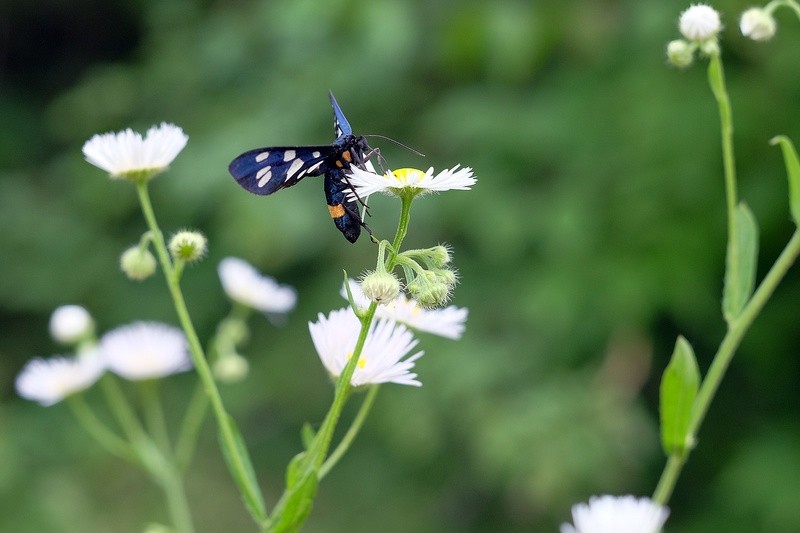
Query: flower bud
(680, 53)
(188, 246)
(380, 287)
(428, 290)
(700, 22)
(757, 24)
(70, 324)
(446, 276)
(231, 368)
(138, 263)
(440, 255)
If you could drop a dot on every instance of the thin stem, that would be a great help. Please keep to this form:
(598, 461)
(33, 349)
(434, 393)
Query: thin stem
(791, 4)
(722, 359)
(236, 454)
(122, 410)
(178, 506)
(99, 431)
(716, 77)
(352, 432)
(154, 414)
(192, 422)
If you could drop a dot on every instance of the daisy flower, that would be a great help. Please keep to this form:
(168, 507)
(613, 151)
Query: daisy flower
(447, 322)
(127, 155)
(49, 381)
(617, 514)
(381, 360)
(245, 285)
(70, 323)
(145, 350)
(395, 182)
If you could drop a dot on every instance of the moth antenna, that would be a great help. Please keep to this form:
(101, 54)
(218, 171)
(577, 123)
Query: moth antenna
(397, 143)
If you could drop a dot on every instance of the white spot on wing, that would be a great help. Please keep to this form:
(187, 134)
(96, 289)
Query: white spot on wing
(294, 167)
(312, 168)
(315, 154)
(288, 155)
(263, 176)
(262, 156)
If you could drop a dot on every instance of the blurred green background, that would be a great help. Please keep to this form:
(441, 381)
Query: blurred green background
(595, 235)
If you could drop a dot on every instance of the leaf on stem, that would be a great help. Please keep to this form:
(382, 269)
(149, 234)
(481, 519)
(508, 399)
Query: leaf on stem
(740, 273)
(246, 480)
(307, 435)
(679, 386)
(792, 172)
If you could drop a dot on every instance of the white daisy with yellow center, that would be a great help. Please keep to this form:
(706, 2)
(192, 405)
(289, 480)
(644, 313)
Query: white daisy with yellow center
(382, 358)
(617, 514)
(413, 180)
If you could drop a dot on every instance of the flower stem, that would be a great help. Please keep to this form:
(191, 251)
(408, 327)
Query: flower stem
(722, 359)
(352, 432)
(99, 431)
(238, 460)
(154, 414)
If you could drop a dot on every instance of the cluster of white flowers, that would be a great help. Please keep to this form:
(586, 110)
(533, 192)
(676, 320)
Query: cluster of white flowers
(142, 350)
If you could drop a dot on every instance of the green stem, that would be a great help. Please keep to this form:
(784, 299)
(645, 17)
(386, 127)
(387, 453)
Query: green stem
(122, 410)
(99, 431)
(352, 432)
(236, 454)
(154, 414)
(178, 506)
(716, 78)
(791, 4)
(190, 427)
(722, 359)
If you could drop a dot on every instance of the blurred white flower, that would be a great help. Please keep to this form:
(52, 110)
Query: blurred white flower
(125, 154)
(617, 514)
(49, 381)
(245, 285)
(393, 182)
(700, 22)
(381, 359)
(145, 350)
(447, 322)
(70, 324)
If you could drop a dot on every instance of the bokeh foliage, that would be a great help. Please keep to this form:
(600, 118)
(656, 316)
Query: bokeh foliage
(594, 236)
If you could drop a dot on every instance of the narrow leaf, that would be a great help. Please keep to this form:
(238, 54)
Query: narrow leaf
(295, 505)
(740, 273)
(679, 386)
(242, 471)
(307, 435)
(792, 172)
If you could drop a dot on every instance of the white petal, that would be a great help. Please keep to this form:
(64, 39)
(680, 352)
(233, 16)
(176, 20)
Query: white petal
(49, 381)
(145, 350)
(244, 284)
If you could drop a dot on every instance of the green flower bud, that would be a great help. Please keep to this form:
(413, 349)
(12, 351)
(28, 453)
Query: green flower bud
(758, 24)
(188, 246)
(137, 263)
(380, 287)
(231, 368)
(680, 53)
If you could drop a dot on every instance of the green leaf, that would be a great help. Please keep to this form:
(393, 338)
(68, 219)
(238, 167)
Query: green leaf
(307, 435)
(740, 274)
(242, 471)
(679, 386)
(295, 505)
(296, 469)
(792, 172)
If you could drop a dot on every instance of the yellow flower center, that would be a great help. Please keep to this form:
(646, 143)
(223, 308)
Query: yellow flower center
(406, 175)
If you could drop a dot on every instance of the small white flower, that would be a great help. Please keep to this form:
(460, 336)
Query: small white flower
(49, 381)
(758, 24)
(381, 359)
(447, 322)
(126, 154)
(700, 22)
(145, 350)
(393, 182)
(70, 324)
(245, 285)
(617, 514)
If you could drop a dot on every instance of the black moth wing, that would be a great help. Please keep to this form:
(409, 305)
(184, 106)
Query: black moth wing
(266, 170)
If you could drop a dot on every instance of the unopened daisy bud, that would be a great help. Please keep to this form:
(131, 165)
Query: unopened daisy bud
(380, 287)
(428, 290)
(188, 246)
(757, 24)
(700, 22)
(446, 276)
(137, 263)
(231, 368)
(69, 324)
(440, 255)
(680, 53)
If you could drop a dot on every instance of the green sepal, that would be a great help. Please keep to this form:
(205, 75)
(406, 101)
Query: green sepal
(792, 172)
(679, 386)
(740, 272)
(307, 435)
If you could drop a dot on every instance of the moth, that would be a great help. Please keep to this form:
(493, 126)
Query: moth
(267, 170)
